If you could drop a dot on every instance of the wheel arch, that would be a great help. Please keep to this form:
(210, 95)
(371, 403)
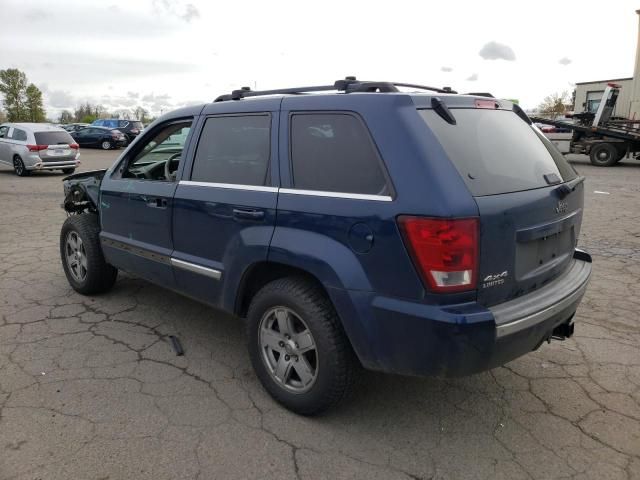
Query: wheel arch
(260, 274)
(349, 310)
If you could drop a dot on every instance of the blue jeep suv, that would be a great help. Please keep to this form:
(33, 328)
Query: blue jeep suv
(415, 232)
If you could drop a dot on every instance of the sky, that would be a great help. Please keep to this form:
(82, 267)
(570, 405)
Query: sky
(163, 54)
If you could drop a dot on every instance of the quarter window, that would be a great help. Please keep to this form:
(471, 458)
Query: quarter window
(334, 153)
(19, 135)
(234, 149)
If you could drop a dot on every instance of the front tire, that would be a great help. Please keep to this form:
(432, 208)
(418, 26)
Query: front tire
(82, 259)
(19, 168)
(106, 145)
(604, 155)
(298, 348)
(68, 171)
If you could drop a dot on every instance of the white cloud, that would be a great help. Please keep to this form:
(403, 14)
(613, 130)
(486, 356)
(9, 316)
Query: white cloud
(184, 11)
(564, 61)
(165, 47)
(472, 78)
(497, 51)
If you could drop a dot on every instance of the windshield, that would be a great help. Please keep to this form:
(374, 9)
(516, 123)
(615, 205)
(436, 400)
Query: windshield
(496, 152)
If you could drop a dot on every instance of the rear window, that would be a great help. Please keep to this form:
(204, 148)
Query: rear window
(496, 152)
(53, 138)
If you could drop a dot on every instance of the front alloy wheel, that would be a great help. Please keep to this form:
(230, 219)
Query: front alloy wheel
(288, 350)
(76, 256)
(106, 145)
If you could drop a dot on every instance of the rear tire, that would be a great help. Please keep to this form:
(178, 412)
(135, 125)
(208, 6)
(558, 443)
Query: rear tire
(318, 365)
(81, 254)
(19, 168)
(604, 155)
(106, 145)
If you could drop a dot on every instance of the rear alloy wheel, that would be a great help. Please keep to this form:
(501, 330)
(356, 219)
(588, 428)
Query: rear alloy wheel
(604, 155)
(18, 166)
(106, 145)
(298, 347)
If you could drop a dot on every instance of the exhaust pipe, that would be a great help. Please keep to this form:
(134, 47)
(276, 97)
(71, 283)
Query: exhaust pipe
(563, 331)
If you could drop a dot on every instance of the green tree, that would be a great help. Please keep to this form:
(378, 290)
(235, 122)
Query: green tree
(88, 119)
(554, 105)
(13, 86)
(34, 105)
(65, 117)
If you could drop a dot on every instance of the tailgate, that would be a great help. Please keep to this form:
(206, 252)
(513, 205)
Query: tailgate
(55, 146)
(526, 240)
(529, 198)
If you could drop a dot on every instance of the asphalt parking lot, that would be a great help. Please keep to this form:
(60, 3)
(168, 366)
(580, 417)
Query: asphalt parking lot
(91, 389)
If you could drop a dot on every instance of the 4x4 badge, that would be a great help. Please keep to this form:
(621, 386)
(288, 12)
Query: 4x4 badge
(561, 207)
(494, 279)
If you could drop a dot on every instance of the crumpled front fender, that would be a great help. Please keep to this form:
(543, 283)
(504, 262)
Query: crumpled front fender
(82, 191)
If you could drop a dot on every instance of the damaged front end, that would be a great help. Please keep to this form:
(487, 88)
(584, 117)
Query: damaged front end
(82, 192)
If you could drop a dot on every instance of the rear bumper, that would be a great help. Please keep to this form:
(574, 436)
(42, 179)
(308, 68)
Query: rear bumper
(53, 165)
(398, 336)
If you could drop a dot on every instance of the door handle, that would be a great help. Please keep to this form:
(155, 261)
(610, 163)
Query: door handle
(157, 202)
(250, 214)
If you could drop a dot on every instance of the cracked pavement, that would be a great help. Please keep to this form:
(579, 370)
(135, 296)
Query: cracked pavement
(90, 387)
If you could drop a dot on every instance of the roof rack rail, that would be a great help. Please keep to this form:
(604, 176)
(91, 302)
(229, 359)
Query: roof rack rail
(348, 85)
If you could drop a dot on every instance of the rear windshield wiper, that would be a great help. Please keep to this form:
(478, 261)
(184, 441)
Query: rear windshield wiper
(441, 109)
(566, 188)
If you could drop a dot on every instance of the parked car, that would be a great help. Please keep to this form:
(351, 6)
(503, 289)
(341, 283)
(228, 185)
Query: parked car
(131, 128)
(73, 127)
(29, 147)
(413, 233)
(102, 137)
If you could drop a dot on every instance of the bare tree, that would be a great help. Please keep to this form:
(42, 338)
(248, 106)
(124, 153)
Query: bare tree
(554, 105)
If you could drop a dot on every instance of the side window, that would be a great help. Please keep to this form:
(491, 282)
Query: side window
(334, 153)
(234, 149)
(19, 135)
(159, 155)
(3, 131)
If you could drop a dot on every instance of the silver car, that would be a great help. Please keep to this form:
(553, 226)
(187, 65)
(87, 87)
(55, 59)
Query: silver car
(29, 147)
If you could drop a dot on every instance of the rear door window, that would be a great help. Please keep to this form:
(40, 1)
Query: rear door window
(234, 149)
(53, 138)
(496, 152)
(334, 152)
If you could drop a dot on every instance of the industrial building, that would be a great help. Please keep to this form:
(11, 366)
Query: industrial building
(589, 94)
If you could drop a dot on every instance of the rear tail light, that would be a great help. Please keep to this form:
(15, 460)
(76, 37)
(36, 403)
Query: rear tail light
(444, 251)
(135, 131)
(75, 146)
(37, 148)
